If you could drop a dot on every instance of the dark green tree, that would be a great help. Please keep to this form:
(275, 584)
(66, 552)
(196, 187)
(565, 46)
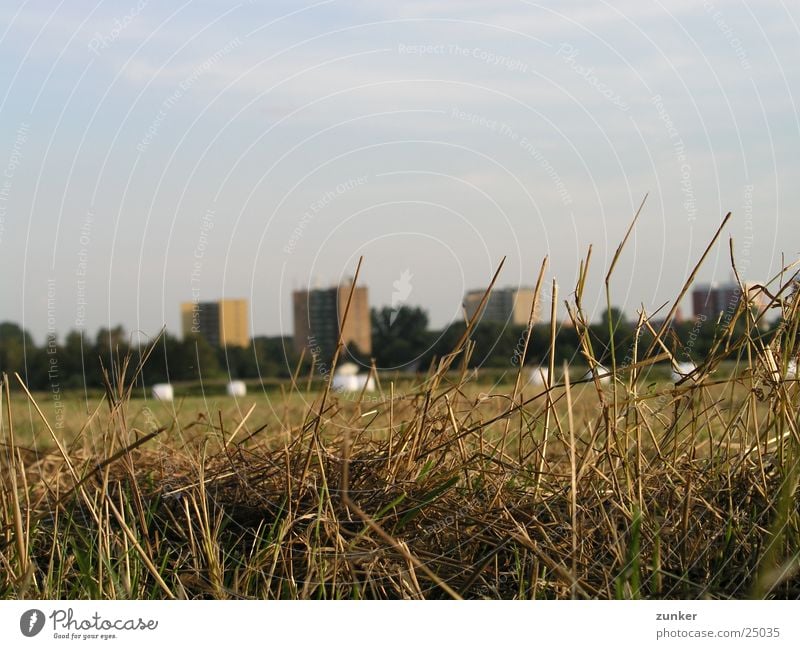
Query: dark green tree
(197, 360)
(399, 337)
(14, 342)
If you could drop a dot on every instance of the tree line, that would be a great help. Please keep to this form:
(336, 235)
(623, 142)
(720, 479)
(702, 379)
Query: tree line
(80, 361)
(401, 341)
(398, 337)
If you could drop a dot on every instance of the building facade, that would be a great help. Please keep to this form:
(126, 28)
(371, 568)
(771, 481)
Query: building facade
(711, 300)
(223, 323)
(318, 317)
(506, 305)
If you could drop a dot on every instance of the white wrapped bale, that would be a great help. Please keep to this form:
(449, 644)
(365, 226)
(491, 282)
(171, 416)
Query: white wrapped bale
(365, 382)
(601, 372)
(538, 376)
(345, 382)
(347, 369)
(237, 389)
(347, 379)
(163, 392)
(681, 370)
(774, 365)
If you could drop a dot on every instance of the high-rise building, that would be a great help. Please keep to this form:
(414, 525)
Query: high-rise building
(507, 305)
(709, 300)
(318, 317)
(222, 324)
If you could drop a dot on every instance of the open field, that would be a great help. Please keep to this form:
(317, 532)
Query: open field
(279, 407)
(448, 486)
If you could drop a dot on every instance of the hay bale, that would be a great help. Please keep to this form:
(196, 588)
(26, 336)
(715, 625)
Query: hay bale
(347, 379)
(345, 382)
(163, 392)
(539, 376)
(600, 371)
(365, 382)
(681, 369)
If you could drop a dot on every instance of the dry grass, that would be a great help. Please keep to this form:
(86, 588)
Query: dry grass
(627, 490)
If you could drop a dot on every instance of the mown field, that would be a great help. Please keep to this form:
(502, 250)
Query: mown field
(444, 486)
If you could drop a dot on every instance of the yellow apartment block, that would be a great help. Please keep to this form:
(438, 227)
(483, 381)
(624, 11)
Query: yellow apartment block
(223, 323)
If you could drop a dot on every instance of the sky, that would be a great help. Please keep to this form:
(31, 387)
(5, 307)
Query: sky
(154, 153)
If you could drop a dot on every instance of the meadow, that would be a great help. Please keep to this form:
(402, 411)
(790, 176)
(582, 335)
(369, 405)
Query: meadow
(444, 484)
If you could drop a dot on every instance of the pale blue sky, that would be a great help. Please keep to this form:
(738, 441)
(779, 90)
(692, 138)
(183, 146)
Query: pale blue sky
(140, 143)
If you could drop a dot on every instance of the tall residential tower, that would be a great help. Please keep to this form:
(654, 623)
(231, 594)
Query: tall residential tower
(222, 324)
(507, 305)
(711, 300)
(318, 317)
